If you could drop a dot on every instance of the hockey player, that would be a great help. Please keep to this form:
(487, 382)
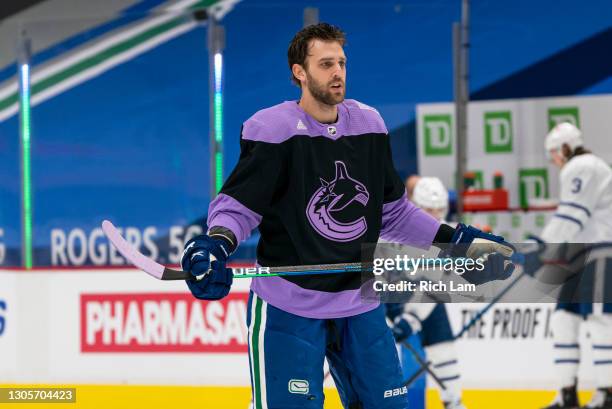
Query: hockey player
(584, 215)
(316, 177)
(410, 183)
(431, 320)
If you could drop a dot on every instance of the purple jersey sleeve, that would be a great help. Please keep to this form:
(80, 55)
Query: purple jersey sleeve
(403, 222)
(225, 211)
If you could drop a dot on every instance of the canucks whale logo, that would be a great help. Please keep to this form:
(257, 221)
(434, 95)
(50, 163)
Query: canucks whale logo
(333, 197)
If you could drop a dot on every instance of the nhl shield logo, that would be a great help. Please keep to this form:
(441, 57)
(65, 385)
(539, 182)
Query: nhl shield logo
(331, 130)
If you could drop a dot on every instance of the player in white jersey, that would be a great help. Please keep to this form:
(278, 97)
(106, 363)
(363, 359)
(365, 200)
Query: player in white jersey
(584, 215)
(428, 319)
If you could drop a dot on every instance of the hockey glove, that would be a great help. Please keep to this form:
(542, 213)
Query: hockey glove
(554, 263)
(205, 258)
(403, 324)
(470, 242)
(496, 267)
(532, 257)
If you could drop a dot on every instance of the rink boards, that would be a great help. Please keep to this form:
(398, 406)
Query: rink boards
(104, 328)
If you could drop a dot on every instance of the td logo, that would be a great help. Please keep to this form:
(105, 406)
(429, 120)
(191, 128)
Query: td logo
(533, 184)
(438, 134)
(563, 114)
(516, 221)
(498, 131)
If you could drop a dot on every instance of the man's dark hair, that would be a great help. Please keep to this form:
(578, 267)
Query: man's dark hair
(569, 154)
(298, 48)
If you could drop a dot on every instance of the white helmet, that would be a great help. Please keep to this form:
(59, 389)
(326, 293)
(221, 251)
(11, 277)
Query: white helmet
(430, 193)
(563, 133)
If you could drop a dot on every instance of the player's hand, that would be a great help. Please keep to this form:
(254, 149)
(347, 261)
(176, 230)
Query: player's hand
(403, 324)
(496, 267)
(205, 258)
(470, 242)
(497, 254)
(532, 255)
(553, 263)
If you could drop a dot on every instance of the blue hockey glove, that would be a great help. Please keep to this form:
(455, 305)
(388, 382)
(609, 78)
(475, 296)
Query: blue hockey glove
(532, 258)
(470, 242)
(403, 324)
(205, 257)
(496, 267)
(555, 263)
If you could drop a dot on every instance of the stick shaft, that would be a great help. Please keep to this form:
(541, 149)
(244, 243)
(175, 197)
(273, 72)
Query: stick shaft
(424, 366)
(151, 267)
(494, 301)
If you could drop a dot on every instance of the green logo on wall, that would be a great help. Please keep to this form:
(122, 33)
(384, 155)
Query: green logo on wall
(498, 131)
(533, 184)
(492, 220)
(563, 114)
(466, 218)
(527, 235)
(438, 134)
(516, 220)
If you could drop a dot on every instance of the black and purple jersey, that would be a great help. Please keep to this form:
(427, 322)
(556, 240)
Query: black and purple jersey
(317, 192)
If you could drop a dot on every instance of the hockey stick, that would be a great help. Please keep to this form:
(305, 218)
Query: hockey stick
(494, 301)
(425, 367)
(161, 272)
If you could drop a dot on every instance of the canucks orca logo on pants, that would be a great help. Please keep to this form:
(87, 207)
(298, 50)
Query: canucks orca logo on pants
(332, 197)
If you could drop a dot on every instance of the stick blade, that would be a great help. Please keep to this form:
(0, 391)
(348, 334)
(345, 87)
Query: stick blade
(171, 274)
(137, 258)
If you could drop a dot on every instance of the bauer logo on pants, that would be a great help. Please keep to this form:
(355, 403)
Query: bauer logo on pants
(438, 134)
(299, 386)
(396, 392)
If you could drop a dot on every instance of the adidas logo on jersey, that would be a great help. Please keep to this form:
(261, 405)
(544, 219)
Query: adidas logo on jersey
(300, 125)
(366, 107)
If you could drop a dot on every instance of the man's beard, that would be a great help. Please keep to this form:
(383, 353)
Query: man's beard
(322, 93)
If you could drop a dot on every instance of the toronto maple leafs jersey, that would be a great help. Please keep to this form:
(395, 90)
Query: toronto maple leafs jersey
(317, 192)
(584, 214)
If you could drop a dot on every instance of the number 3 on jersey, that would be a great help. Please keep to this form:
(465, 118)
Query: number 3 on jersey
(577, 184)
